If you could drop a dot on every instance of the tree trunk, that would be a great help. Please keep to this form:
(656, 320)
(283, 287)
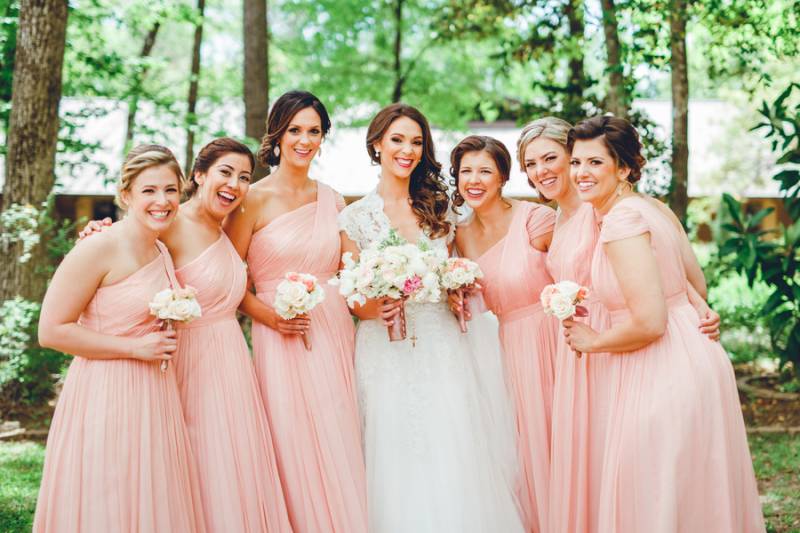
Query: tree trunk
(133, 103)
(33, 133)
(577, 79)
(679, 198)
(256, 73)
(617, 98)
(194, 78)
(399, 79)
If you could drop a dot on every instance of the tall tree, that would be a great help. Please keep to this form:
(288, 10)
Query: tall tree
(397, 11)
(33, 131)
(256, 71)
(679, 195)
(576, 82)
(617, 99)
(133, 103)
(194, 80)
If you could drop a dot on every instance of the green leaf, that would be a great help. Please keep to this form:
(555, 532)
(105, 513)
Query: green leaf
(734, 208)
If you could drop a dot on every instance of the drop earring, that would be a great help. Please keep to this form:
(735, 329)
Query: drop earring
(277, 151)
(241, 207)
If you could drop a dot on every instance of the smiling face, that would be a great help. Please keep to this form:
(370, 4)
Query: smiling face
(400, 148)
(153, 197)
(302, 138)
(225, 184)
(595, 172)
(546, 164)
(479, 179)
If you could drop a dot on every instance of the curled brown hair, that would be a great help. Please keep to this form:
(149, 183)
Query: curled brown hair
(479, 143)
(209, 154)
(139, 159)
(426, 188)
(619, 136)
(280, 116)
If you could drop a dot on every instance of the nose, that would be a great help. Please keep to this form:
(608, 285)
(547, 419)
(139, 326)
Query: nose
(162, 197)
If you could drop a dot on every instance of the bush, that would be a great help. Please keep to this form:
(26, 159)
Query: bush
(26, 369)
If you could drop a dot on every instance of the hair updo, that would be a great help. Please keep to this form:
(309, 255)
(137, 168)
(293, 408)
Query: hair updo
(139, 159)
(209, 154)
(619, 136)
(280, 116)
(479, 143)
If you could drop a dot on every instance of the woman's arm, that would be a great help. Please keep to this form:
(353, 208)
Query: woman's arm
(637, 272)
(73, 286)
(385, 308)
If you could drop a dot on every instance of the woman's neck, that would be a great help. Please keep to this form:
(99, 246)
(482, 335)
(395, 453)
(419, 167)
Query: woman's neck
(570, 202)
(141, 238)
(491, 214)
(196, 212)
(605, 206)
(292, 176)
(392, 188)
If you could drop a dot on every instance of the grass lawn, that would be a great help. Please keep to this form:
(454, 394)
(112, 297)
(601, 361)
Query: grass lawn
(776, 458)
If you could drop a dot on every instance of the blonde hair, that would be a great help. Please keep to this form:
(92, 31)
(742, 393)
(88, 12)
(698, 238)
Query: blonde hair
(140, 159)
(552, 128)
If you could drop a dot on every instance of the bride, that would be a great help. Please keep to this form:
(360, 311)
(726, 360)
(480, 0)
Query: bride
(437, 426)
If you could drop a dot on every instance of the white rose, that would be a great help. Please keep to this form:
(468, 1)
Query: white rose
(160, 301)
(569, 289)
(561, 306)
(184, 310)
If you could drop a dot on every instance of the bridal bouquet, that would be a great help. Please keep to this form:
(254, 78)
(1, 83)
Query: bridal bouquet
(393, 269)
(297, 295)
(562, 299)
(175, 305)
(456, 274)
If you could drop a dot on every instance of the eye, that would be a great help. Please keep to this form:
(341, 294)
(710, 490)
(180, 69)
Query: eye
(596, 162)
(172, 189)
(226, 172)
(396, 139)
(245, 177)
(550, 158)
(573, 162)
(148, 190)
(418, 143)
(530, 164)
(294, 129)
(315, 131)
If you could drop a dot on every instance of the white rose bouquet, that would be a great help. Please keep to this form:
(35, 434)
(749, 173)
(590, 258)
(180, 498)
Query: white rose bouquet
(393, 269)
(456, 274)
(562, 299)
(175, 305)
(297, 295)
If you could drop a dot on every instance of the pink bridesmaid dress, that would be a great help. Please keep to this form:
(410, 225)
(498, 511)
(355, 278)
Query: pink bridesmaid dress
(514, 276)
(228, 429)
(580, 394)
(118, 453)
(676, 458)
(310, 395)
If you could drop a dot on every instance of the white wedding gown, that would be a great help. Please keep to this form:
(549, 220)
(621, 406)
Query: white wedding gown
(437, 420)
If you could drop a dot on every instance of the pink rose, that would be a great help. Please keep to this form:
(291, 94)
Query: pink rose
(412, 285)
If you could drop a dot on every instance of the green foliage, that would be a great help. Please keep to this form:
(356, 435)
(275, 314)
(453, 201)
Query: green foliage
(25, 368)
(775, 262)
(9, 14)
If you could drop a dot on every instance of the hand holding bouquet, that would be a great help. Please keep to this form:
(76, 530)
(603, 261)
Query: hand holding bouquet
(175, 305)
(393, 269)
(562, 300)
(457, 274)
(297, 295)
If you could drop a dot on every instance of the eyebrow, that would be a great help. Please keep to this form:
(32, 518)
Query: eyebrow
(226, 165)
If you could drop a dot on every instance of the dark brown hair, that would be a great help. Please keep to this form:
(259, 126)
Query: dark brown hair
(479, 143)
(619, 136)
(283, 111)
(426, 189)
(209, 154)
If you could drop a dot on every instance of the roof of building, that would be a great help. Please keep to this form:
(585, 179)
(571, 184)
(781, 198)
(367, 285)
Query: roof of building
(715, 165)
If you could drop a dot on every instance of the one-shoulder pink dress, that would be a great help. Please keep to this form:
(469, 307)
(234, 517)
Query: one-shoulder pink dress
(514, 275)
(676, 458)
(118, 453)
(310, 395)
(581, 391)
(231, 440)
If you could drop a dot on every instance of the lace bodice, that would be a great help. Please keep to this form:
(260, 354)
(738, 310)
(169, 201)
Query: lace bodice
(366, 223)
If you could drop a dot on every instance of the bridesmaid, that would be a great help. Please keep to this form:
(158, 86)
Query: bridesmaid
(118, 454)
(289, 224)
(503, 233)
(676, 442)
(580, 400)
(230, 436)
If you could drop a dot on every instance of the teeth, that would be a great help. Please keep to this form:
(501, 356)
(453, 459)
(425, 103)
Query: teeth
(585, 185)
(227, 196)
(159, 214)
(548, 182)
(404, 162)
(303, 152)
(475, 192)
